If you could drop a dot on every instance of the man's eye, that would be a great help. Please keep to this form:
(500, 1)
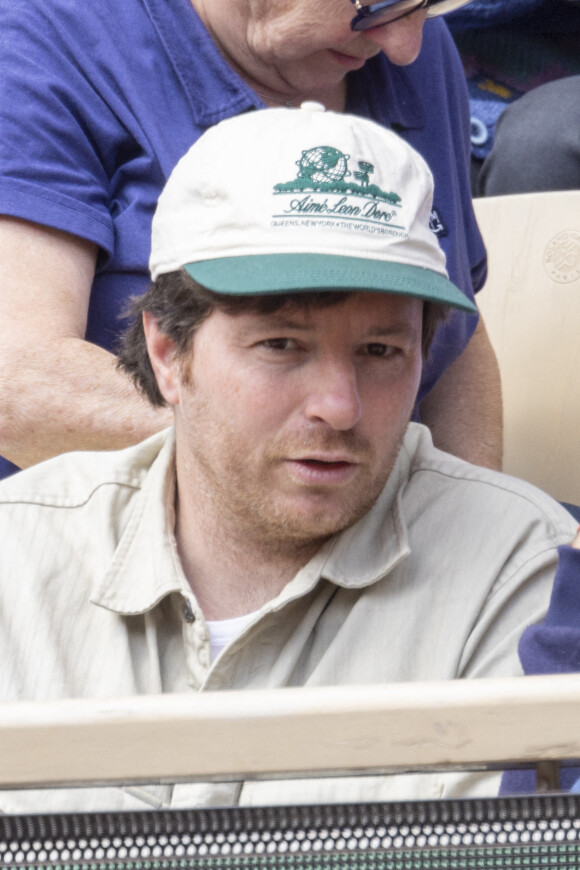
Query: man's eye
(278, 343)
(375, 348)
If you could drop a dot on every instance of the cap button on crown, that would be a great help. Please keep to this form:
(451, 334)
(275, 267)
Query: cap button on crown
(312, 106)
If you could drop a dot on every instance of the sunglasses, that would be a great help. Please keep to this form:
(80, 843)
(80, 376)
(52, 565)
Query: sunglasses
(377, 14)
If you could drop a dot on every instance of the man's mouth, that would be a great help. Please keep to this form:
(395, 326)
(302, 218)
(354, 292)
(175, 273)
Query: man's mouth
(326, 463)
(323, 471)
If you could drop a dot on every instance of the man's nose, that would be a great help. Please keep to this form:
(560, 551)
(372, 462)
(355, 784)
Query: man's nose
(333, 396)
(401, 39)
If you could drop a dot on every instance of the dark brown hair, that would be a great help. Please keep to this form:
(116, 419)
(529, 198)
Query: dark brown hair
(180, 305)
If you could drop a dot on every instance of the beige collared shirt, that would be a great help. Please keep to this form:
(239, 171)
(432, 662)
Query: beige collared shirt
(437, 581)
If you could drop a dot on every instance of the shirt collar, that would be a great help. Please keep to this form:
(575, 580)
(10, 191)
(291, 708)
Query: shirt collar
(146, 566)
(368, 551)
(214, 89)
(380, 90)
(371, 548)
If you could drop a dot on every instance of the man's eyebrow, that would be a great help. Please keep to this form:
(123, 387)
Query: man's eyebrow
(277, 321)
(284, 321)
(400, 328)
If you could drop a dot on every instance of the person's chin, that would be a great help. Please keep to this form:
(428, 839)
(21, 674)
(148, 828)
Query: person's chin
(347, 62)
(316, 516)
(318, 74)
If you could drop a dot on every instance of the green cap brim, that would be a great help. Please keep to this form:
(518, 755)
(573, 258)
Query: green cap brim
(295, 273)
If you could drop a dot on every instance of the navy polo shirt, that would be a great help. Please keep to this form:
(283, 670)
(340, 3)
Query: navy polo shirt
(98, 102)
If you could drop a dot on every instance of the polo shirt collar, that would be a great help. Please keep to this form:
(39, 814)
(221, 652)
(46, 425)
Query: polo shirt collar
(373, 547)
(219, 92)
(380, 90)
(145, 566)
(364, 553)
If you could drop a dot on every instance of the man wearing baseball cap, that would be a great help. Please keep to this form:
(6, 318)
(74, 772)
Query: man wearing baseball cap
(292, 528)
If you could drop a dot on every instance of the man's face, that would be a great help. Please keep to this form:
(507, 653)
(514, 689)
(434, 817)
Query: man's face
(289, 423)
(303, 47)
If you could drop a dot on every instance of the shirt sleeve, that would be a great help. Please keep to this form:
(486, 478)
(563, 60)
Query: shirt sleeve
(54, 170)
(553, 646)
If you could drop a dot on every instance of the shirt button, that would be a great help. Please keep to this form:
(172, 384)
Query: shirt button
(187, 611)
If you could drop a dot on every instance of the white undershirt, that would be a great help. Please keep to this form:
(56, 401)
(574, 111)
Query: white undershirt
(223, 631)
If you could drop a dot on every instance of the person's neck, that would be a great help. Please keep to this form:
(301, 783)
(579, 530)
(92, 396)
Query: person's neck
(230, 572)
(333, 99)
(263, 79)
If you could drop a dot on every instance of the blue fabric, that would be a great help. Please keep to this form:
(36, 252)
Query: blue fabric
(491, 13)
(553, 647)
(7, 468)
(548, 17)
(574, 510)
(524, 781)
(115, 93)
(510, 47)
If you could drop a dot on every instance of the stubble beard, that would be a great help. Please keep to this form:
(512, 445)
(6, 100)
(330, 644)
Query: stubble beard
(267, 520)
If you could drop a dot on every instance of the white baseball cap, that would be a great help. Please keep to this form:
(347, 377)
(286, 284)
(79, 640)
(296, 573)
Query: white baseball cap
(290, 200)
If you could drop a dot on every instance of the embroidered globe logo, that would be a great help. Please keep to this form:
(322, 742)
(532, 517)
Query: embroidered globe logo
(323, 164)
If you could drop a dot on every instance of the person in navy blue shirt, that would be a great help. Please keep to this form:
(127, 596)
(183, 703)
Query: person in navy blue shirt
(98, 102)
(553, 647)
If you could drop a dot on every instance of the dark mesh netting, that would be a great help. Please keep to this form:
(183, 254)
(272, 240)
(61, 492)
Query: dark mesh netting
(525, 832)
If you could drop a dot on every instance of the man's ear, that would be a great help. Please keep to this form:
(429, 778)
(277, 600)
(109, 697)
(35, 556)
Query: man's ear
(162, 354)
